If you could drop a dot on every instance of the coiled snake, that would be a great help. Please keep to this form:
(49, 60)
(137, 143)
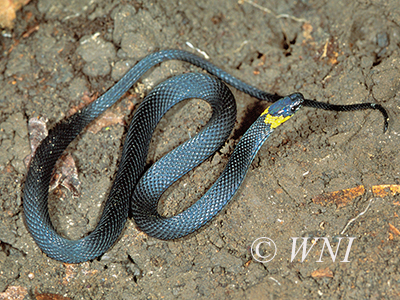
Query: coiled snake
(139, 195)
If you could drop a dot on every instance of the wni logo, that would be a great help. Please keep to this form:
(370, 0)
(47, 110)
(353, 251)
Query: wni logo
(325, 246)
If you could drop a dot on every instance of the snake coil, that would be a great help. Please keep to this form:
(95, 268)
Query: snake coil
(141, 199)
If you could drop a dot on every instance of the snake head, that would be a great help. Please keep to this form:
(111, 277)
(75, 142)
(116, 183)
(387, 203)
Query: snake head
(282, 110)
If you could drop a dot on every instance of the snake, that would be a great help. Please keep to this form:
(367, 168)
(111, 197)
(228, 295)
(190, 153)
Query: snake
(134, 192)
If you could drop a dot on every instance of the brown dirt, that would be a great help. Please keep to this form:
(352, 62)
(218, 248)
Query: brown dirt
(339, 52)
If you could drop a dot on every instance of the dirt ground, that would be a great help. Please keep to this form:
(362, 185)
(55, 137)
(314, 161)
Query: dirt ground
(63, 52)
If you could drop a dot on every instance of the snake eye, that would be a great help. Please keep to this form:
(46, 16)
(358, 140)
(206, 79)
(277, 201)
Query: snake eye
(295, 107)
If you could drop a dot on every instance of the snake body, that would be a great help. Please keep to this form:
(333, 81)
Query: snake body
(141, 199)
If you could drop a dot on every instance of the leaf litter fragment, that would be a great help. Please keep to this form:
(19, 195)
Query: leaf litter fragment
(14, 293)
(66, 173)
(8, 10)
(343, 197)
(322, 273)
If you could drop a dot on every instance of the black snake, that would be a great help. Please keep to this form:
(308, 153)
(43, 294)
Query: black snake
(142, 201)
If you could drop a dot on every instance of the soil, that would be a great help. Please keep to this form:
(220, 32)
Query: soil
(340, 52)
